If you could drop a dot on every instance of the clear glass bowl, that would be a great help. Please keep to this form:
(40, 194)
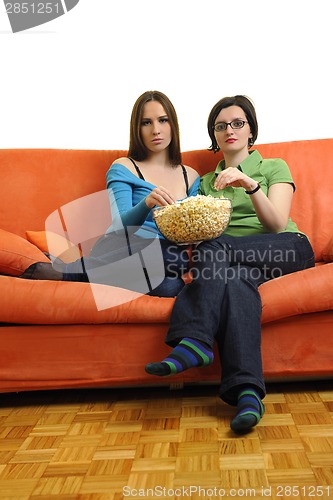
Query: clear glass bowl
(193, 219)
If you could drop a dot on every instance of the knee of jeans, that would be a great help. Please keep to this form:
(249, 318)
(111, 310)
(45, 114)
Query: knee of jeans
(306, 253)
(212, 251)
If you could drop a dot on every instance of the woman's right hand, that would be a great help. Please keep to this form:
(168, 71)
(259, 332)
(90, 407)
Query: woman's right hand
(160, 197)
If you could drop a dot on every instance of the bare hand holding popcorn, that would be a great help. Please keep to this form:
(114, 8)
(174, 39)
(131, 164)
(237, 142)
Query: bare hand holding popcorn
(160, 197)
(234, 177)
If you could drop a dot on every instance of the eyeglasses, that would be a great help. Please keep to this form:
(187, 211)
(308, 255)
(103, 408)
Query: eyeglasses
(235, 124)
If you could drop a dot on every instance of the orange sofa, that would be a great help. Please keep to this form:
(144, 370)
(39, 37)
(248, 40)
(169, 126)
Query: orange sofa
(66, 335)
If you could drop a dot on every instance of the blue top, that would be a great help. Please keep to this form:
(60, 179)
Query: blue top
(127, 194)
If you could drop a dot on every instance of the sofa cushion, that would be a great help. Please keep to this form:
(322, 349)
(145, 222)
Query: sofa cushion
(328, 251)
(54, 244)
(65, 302)
(17, 254)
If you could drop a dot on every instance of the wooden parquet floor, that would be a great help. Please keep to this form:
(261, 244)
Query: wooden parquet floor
(156, 443)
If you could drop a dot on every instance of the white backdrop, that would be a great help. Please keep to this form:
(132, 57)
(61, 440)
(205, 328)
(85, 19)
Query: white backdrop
(71, 83)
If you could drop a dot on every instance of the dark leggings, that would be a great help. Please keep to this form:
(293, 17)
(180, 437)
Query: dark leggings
(151, 266)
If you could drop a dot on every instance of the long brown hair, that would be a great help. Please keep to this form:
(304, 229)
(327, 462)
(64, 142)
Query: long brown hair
(137, 150)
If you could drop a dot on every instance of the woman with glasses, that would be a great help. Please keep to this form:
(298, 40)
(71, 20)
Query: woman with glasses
(261, 243)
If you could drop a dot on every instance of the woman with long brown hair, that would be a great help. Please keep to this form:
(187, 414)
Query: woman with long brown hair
(152, 175)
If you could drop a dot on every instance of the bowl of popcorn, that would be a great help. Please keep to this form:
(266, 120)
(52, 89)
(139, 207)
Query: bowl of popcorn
(193, 219)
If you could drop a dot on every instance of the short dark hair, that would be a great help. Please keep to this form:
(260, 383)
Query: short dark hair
(238, 100)
(137, 149)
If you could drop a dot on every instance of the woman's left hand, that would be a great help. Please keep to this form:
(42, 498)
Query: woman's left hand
(232, 176)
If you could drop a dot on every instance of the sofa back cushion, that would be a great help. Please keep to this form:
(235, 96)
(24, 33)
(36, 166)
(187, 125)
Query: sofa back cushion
(36, 182)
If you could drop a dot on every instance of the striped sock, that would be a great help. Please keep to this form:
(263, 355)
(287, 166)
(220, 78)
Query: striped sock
(250, 409)
(189, 353)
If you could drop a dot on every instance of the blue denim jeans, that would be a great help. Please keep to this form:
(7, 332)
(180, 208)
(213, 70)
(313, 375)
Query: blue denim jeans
(223, 303)
(150, 266)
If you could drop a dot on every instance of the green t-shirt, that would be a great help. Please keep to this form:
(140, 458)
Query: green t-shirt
(267, 172)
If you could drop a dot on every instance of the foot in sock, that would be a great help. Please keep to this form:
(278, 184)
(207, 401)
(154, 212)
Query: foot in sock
(250, 409)
(41, 271)
(189, 353)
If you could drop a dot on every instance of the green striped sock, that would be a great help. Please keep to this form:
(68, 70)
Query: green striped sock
(189, 353)
(250, 409)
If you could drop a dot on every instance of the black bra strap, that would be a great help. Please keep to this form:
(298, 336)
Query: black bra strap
(141, 176)
(138, 171)
(185, 178)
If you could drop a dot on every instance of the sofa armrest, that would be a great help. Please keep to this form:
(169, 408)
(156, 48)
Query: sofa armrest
(303, 292)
